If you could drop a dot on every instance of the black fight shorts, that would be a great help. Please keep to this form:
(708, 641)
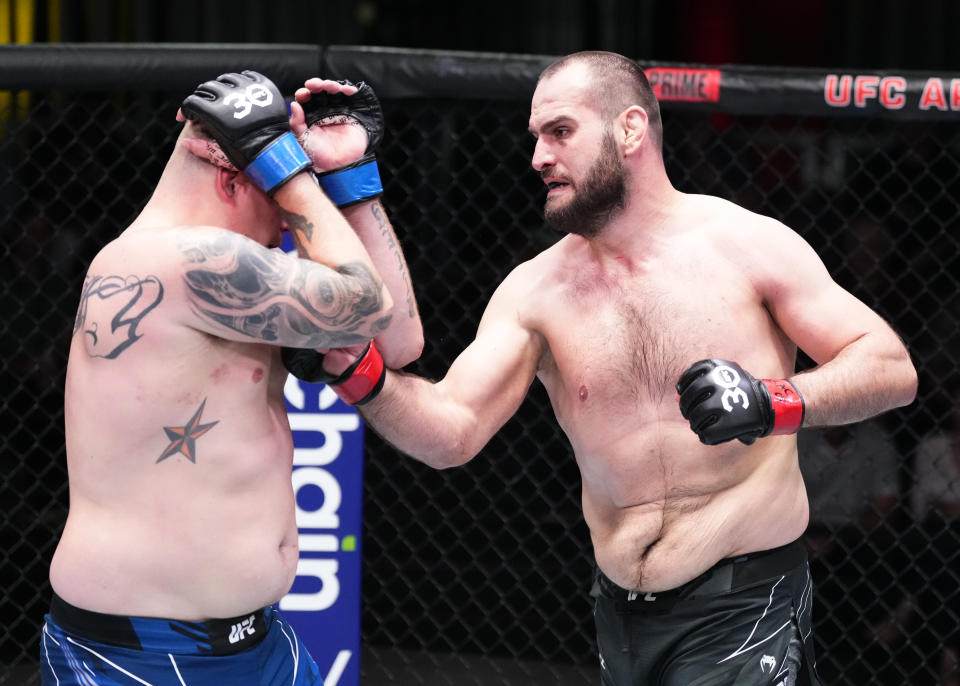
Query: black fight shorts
(746, 621)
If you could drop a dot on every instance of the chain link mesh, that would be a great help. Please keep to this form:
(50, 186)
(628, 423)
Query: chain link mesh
(469, 570)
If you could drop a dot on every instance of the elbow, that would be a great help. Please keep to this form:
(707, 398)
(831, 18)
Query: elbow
(901, 378)
(401, 353)
(910, 382)
(449, 460)
(401, 343)
(442, 459)
(456, 451)
(414, 347)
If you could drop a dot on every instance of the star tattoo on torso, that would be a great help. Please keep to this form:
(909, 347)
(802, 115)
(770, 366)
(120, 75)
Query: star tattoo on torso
(183, 439)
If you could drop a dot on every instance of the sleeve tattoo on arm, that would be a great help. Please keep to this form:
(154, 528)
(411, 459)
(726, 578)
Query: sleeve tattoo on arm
(256, 293)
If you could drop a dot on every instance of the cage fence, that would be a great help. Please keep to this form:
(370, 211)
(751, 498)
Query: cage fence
(492, 561)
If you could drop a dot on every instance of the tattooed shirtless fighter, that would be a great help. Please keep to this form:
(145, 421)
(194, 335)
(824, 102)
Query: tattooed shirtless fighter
(181, 531)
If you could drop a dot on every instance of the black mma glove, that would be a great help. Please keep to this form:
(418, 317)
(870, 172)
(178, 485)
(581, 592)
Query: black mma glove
(722, 402)
(358, 384)
(359, 180)
(247, 116)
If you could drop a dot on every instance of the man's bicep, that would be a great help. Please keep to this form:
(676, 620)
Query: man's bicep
(814, 311)
(239, 290)
(492, 375)
(445, 424)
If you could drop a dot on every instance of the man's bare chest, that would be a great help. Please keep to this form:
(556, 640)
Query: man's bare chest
(627, 350)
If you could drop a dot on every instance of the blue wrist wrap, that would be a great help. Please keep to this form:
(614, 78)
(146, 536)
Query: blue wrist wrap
(277, 163)
(353, 183)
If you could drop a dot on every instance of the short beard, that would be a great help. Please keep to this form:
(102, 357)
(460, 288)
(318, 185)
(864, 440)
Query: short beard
(602, 193)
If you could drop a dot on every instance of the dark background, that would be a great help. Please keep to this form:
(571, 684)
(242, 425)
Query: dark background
(872, 34)
(492, 559)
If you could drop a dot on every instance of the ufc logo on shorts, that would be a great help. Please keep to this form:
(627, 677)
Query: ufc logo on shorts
(254, 94)
(240, 631)
(727, 378)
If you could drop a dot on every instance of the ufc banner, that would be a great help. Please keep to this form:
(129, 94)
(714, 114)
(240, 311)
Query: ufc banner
(324, 603)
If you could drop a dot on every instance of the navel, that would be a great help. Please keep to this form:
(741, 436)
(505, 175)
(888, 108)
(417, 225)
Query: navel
(257, 374)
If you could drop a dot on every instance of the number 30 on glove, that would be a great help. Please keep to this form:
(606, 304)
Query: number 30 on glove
(722, 402)
(245, 113)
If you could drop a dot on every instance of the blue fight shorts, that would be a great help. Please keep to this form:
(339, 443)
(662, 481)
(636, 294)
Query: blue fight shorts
(83, 648)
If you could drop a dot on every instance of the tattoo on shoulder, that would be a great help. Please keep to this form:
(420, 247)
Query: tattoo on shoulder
(266, 296)
(183, 439)
(111, 310)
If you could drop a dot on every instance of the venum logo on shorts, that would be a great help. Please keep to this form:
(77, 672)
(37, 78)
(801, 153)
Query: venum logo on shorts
(242, 629)
(768, 663)
(728, 378)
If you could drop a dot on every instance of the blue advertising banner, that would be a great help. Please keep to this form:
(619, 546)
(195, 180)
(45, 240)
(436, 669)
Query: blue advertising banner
(324, 603)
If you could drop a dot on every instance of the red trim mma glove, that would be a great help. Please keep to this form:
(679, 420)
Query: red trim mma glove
(357, 384)
(722, 402)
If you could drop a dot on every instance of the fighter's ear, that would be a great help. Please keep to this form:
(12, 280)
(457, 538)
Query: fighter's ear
(635, 127)
(228, 183)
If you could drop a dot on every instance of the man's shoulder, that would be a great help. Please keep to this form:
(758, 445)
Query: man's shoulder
(719, 224)
(725, 213)
(542, 271)
(155, 244)
(526, 289)
(154, 255)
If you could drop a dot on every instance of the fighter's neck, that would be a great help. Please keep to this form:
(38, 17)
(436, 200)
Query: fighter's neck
(647, 218)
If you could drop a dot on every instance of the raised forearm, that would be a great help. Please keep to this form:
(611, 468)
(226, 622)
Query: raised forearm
(319, 231)
(418, 418)
(402, 341)
(322, 235)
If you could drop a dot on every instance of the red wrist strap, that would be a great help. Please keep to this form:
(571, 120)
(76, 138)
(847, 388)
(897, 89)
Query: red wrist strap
(787, 406)
(366, 379)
